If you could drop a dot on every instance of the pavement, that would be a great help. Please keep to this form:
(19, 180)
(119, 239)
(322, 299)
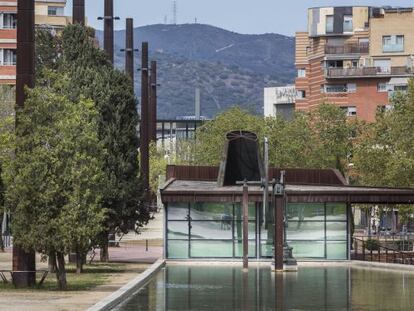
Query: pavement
(133, 253)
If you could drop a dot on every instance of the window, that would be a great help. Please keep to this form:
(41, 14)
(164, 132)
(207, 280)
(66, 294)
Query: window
(350, 111)
(348, 25)
(301, 94)
(301, 73)
(351, 87)
(8, 20)
(329, 24)
(55, 11)
(382, 87)
(383, 108)
(334, 88)
(8, 57)
(391, 44)
(383, 65)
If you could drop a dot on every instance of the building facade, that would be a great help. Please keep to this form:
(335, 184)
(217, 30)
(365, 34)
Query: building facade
(280, 101)
(48, 14)
(354, 57)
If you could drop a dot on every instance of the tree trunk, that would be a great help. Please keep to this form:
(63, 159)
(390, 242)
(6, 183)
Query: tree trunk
(52, 262)
(61, 271)
(1, 238)
(105, 248)
(79, 262)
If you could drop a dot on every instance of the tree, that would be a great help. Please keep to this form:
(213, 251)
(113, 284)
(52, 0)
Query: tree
(385, 155)
(89, 74)
(58, 180)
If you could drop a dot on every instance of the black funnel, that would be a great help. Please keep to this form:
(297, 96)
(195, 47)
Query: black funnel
(241, 159)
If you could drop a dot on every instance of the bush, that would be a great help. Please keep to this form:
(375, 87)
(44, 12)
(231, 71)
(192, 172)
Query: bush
(372, 245)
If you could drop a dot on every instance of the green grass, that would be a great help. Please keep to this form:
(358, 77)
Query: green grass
(93, 275)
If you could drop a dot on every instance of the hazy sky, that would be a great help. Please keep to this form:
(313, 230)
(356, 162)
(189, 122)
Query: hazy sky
(244, 16)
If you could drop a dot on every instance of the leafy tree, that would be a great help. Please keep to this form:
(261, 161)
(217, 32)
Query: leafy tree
(385, 155)
(89, 74)
(58, 180)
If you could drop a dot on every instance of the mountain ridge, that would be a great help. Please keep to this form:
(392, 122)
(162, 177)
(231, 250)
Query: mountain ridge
(229, 68)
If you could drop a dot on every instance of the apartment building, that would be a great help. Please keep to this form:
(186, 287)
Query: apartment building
(354, 57)
(48, 14)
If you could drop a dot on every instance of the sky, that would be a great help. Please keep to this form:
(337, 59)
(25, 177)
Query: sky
(243, 16)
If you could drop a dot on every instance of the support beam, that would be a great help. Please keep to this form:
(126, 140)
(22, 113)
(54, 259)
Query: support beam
(278, 213)
(144, 125)
(153, 103)
(129, 49)
(245, 227)
(78, 14)
(109, 29)
(25, 77)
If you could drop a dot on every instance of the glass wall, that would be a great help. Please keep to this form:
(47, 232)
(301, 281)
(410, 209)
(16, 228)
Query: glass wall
(317, 231)
(203, 230)
(215, 230)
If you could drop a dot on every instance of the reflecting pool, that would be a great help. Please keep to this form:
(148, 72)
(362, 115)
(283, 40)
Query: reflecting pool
(213, 287)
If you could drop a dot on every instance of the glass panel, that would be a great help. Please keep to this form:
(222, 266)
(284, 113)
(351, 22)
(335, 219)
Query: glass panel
(211, 211)
(177, 211)
(335, 211)
(211, 230)
(238, 230)
(308, 249)
(238, 248)
(177, 249)
(177, 230)
(336, 231)
(329, 23)
(266, 248)
(305, 231)
(336, 250)
(306, 212)
(213, 249)
(238, 211)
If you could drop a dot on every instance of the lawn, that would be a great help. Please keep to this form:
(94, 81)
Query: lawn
(94, 275)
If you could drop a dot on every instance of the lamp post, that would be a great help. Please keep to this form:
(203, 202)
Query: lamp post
(144, 135)
(129, 49)
(78, 14)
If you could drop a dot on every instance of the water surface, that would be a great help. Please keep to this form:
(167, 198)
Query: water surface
(212, 287)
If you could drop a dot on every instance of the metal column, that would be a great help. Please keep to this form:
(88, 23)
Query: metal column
(153, 103)
(109, 29)
(245, 226)
(279, 229)
(25, 77)
(78, 15)
(129, 49)
(144, 135)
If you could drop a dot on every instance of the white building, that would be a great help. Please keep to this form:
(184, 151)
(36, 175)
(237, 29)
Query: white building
(280, 101)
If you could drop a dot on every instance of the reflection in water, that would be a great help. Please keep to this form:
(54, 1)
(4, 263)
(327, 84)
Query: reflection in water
(312, 288)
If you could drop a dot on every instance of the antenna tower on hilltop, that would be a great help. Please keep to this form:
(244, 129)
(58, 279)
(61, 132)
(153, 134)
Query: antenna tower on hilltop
(174, 12)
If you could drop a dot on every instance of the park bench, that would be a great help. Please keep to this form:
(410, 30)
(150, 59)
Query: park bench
(39, 284)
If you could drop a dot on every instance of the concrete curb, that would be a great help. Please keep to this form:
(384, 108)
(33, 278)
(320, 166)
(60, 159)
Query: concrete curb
(383, 266)
(128, 289)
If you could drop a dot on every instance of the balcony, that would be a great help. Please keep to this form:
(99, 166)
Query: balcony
(363, 72)
(361, 48)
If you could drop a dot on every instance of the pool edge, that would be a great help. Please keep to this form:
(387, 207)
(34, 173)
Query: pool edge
(131, 287)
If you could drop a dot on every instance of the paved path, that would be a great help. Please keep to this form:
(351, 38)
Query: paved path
(132, 253)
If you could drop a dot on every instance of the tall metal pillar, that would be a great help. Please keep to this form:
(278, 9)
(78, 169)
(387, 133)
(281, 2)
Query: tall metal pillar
(108, 19)
(78, 15)
(279, 229)
(153, 103)
(144, 125)
(129, 49)
(245, 227)
(24, 263)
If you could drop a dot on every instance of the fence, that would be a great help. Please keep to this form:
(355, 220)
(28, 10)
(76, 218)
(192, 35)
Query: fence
(371, 250)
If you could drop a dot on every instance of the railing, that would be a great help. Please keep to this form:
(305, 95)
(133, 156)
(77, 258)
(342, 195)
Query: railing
(379, 253)
(7, 240)
(348, 49)
(368, 71)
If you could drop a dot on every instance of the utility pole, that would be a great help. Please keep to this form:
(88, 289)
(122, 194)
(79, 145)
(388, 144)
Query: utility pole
(175, 12)
(129, 49)
(24, 263)
(153, 103)
(108, 19)
(78, 15)
(144, 125)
